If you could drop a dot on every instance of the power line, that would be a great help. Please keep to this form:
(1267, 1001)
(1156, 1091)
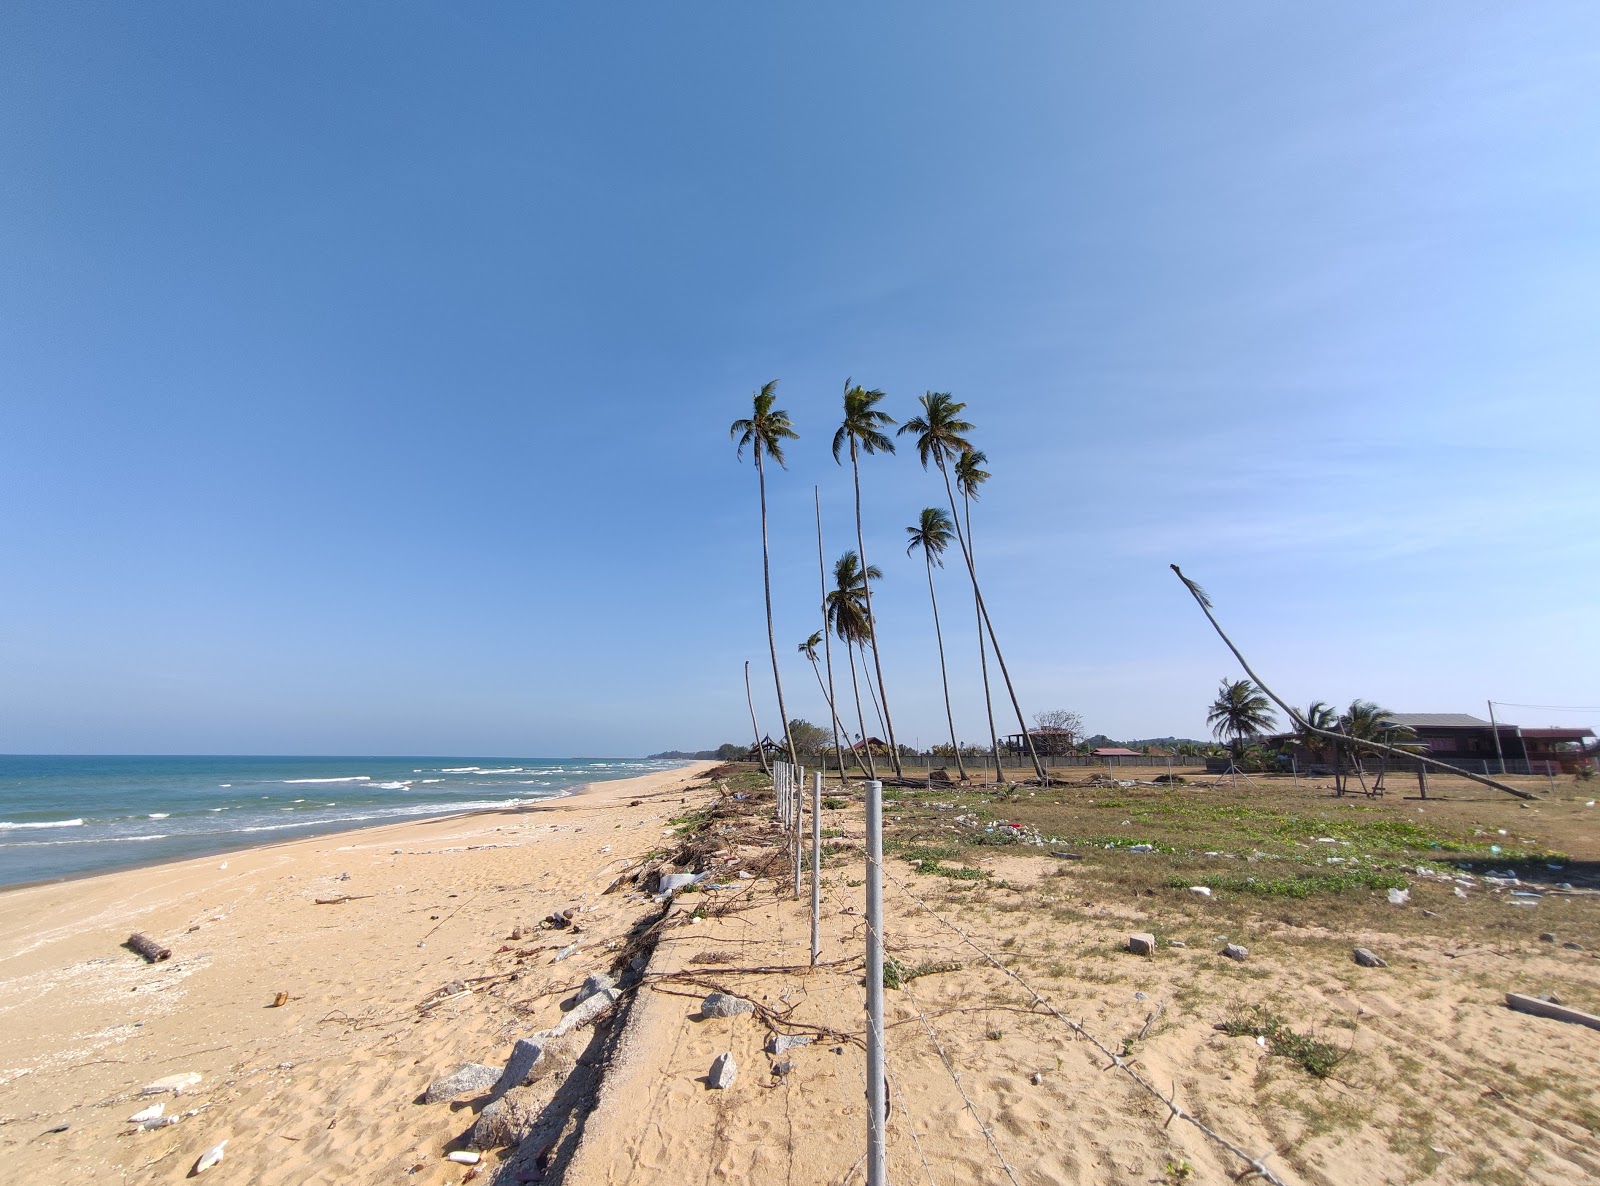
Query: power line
(1549, 707)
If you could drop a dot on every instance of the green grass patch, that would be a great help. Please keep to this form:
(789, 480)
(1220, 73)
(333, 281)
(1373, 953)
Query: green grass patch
(1301, 885)
(1316, 1057)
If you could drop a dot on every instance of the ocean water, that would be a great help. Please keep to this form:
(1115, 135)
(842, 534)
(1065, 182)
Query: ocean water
(70, 815)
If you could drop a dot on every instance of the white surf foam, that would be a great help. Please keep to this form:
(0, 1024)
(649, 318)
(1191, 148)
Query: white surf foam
(7, 826)
(351, 778)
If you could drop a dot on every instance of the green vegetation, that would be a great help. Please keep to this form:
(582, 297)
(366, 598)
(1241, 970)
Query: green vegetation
(1299, 885)
(1314, 1056)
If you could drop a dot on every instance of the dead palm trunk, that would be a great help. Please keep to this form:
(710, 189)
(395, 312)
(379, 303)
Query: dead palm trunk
(836, 722)
(983, 651)
(1204, 603)
(949, 716)
(866, 586)
(761, 750)
(872, 763)
(983, 611)
(827, 644)
(766, 585)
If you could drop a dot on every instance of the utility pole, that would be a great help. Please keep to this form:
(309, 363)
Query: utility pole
(1495, 729)
(877, 1161)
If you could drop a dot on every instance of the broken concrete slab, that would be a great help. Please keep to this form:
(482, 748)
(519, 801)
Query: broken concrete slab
(721, 1004)
(1142, 943)
(1543, 1008)
(468, 1079)
(1367, 959)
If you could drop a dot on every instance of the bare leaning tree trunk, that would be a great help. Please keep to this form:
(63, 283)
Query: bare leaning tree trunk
(1300, 721)
(761, 750)
(949, 716)
(983, 651)
(766, 584)
(866, 589)
(827, 643)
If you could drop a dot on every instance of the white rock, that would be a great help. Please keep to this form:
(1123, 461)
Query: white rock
(1203, 890)
(1399, 897)
(469, 1079)
(720, 1004)
(210, 1157)
(159, 1122)
(465, 1157)
(1234, 952)
(149, 1113)
(723, 1071)
(783, 1043)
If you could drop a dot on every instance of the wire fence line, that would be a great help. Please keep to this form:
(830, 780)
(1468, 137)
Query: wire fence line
(1256, 1164)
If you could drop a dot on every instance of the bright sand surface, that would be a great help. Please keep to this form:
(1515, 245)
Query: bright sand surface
(323, 1088)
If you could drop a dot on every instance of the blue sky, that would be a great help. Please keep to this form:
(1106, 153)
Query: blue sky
(365, 369)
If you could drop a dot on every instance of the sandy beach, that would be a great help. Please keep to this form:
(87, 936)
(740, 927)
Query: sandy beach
(320, 1089)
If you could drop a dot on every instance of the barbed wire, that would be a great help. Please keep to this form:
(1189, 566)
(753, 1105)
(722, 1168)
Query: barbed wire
(1256, 1164)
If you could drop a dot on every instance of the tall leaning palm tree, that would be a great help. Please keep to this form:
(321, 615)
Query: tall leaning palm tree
(941, 439)
(933, 534)
(970, 475)
(1239, 711)
(1320, 715)
(848, 617)
(862, 431)
(765, 431)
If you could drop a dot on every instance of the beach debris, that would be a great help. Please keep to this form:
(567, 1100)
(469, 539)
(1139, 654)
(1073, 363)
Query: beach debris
(559, 920)
(149, 1113)
(1547, 937)
(1234, 952)
(343, 898)
(156, 1122)
(1552, 1008)
(58, 1128)
(507, 1120)
(279, 1001)
(1036, 1078)
(783, 1043)
(1176, 943)
(344, 877)
(1399, 897)
(593, 983)
(152, 951)
(177, 1084)
(1203, 890)
(566, 952)
(1570, 946)
(745, 875)
(468, 1079)
(1367, 959)
(591, 1004)
(465, 1157)
(671, 883)
(720, 1004)
(1068, 856)
(723, 1072)
(1141, 848)
(1142, 943)
(210, 1157)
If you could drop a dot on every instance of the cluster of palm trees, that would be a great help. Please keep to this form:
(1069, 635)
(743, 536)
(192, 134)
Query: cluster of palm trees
(942, 440)
(1242, 712)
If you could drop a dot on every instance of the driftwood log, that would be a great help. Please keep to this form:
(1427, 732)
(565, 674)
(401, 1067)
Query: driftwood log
(1539, 1007)
(148, 947)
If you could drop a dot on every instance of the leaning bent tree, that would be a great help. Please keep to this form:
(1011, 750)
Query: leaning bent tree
(970, 475)
(941, 438)
(765, 431)
(933, 535)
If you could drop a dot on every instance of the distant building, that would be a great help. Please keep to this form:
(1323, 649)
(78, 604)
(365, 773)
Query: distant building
(1468, 741)
(1116, 751)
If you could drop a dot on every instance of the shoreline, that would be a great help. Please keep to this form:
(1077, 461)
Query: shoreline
(315, 986)
(596, 786)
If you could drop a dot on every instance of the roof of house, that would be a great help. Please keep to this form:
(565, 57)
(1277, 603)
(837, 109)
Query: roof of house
(1558, 734)
(1437, 720)
(1116, 751)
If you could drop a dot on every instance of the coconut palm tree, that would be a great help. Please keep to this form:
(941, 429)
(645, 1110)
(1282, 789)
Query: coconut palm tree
(1318, 716)
(809, 649)
(941, 438)
(970, 475)
(933, 535)
(847, 615)
(862, 430)
(765, 431)
(1239, 711)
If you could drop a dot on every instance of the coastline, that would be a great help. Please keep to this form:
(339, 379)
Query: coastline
(225, 850)
(84, 1023)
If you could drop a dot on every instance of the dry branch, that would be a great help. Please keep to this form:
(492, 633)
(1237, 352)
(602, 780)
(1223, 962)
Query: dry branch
(148, 947)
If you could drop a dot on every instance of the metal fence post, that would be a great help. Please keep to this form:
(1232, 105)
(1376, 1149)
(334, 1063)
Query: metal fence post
(798, 797)
(877, 1163)
(816, 867)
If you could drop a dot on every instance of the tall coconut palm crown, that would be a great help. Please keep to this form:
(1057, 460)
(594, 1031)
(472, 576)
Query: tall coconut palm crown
(847, 600)
(1239, 711)
(933, 534)
(970, 473)
(863, 423)
(766, 429)
(941, 433)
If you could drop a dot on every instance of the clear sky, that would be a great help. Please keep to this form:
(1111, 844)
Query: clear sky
(366, 369)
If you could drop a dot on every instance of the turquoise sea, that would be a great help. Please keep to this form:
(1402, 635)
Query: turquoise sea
(61, 816)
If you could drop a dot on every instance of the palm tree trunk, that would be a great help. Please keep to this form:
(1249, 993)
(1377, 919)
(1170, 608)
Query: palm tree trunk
(827, 644)
(766, 585)
(938, 635)
(1294, 715)
(877, 708)
(983, 651)
(761, 750)
(983, 611)
(866, 586)
(832, 713)
(872, 763)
